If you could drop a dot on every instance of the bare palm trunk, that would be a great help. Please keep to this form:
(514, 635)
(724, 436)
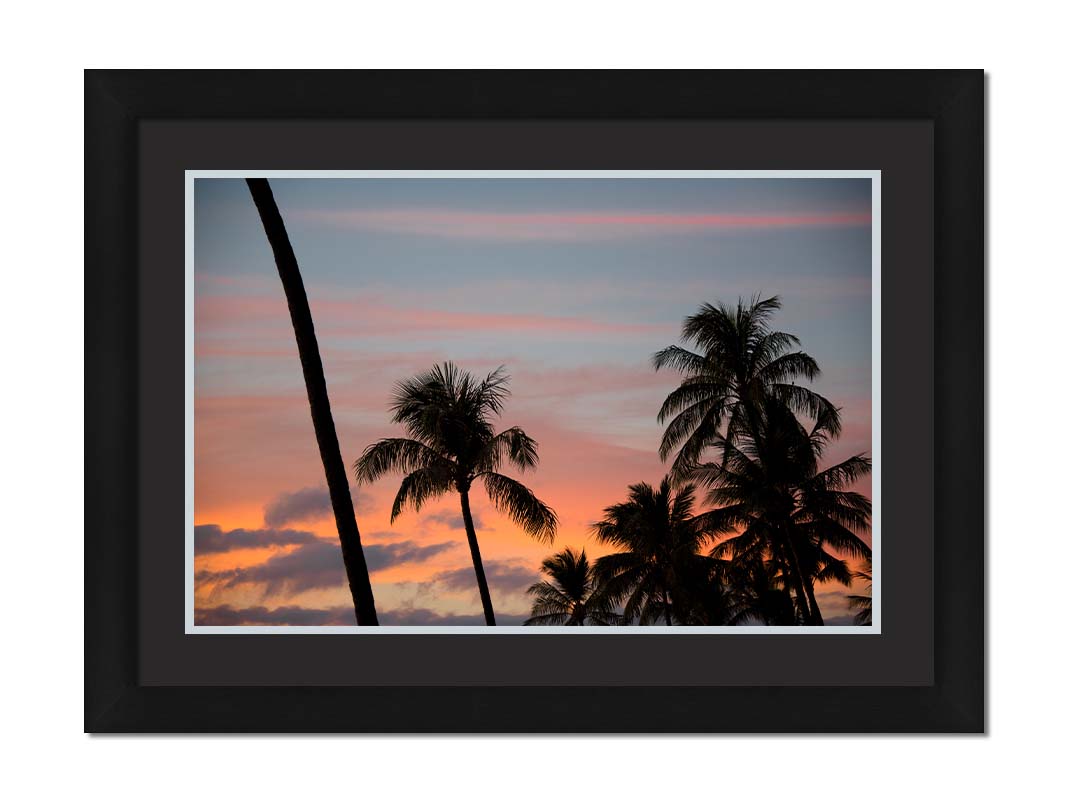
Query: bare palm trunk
(816, 614)
(476, 557)
(321, 416)
(798, 582)
(795, 577)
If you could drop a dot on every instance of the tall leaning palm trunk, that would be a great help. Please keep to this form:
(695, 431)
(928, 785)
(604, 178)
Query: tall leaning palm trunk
(318, 398)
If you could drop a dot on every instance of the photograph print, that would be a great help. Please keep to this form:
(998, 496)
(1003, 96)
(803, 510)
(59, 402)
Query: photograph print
(522, 402)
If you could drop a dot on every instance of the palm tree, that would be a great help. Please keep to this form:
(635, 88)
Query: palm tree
(758, 592)
(660, 541)
(571, 595)
(861, 603)
(782, 507)
(319, 400)
(448, 416)
(739, 364)
(702, 593)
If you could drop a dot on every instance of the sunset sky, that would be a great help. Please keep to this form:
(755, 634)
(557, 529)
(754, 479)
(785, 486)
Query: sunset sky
(571, 284)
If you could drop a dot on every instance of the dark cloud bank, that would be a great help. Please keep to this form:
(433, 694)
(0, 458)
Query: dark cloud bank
(338, 615)
(504, 578)
(211, 539)
(315, 564)
(454, 521)
(306, 504)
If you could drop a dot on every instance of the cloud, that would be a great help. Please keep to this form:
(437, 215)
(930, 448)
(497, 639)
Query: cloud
(452, 520)
(568, 226)
(388, 320)
(317, 564)
(283, 615)
(337, 615)
(383, 556)
(834, 605)
(306, 504)
(373, 317)
(211, 539)
(424, 616)
(504, 577)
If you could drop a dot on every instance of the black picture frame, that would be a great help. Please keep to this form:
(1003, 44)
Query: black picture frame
(117, 102)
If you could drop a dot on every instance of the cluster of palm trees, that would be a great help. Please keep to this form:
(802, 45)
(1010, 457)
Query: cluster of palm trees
(777, 521)
(777, 524)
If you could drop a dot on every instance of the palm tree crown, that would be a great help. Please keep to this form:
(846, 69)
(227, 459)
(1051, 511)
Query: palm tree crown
(783, 507)
(448, 415)
(739, 364)
(571, 596)
(660, 542)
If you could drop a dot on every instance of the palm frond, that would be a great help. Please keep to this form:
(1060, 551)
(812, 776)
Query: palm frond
(492, 391)
(418, 487)
(397, 455)
(549, 618)
(842, 539)
(802, 400)
(521, 505)
(771, 346)
(514, 445)
(699, 390)
(864, 607)
(789, 367)
(674, 357)
(844, 474)
(833, 570)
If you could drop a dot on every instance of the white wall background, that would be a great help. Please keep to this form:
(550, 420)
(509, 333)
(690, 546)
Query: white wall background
(46, 46)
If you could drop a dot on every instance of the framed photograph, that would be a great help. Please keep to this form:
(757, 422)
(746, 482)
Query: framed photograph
(534, 402)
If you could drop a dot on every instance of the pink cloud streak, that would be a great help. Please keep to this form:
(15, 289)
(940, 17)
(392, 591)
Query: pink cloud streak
(569, 226)
(369, 318)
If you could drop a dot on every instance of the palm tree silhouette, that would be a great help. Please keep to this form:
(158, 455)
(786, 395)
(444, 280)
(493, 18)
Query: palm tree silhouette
(740, 363)
(448, 416)
(861, 603)
(318, 398)
(571, 596)
(786, 508)
(702, 593)
(660, 541)
(758, 592)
